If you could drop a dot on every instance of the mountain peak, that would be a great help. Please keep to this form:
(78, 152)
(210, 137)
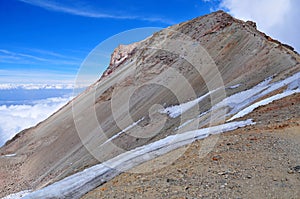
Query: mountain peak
(156, 98)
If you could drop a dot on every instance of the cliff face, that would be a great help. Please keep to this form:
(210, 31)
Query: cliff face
(175, 66)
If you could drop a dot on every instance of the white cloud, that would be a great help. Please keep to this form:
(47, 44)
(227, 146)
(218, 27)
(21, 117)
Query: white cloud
(14, 78)
(88, 12)
(53, 54)
(279, 18)
(74, 11)
(8, 86)
(15, 118)
(23, 58)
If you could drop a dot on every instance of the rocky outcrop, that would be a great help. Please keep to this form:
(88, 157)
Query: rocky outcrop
(119, 56)
(251, 23)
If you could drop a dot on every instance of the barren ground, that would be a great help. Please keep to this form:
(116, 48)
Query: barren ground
(260, 161)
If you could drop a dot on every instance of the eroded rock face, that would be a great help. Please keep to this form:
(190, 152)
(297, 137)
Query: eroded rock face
(120, 55)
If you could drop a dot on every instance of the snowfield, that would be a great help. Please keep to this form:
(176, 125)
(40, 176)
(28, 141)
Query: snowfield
(80, 183)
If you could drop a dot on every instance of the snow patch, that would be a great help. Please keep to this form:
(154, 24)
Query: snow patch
(10, 155)
(184, 124)
(286, 82)
(80, 183)
(177, 110)
(294, 85)
(191, 120)
(234, 86)
(123, 131)
(118, 62)
(244, 99)
(266, 101)
(241, 100)
(17, 195)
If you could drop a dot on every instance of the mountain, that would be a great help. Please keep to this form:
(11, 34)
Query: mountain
(156, 114)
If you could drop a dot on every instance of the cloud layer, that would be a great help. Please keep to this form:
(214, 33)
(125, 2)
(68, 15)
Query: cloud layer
(279, 18)
(15, 118)
(9, 86)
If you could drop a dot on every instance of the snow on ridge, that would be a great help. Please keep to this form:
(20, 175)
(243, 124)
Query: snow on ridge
(244, 107)
(10, 155)
(80, 183)
(266, 101)
(231, 101)
(234, 86)
(243, 96)
(124, 130)
(177, 110)
(191, 120)
(17, 195)
(184, 124)
(242, 101)
(292, 80)
(294, 85)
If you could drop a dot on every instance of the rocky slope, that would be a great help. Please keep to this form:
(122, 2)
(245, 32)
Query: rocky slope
(259, 161)
(215, 66)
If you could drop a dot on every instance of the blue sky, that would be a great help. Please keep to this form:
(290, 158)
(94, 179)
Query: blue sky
(46, 41)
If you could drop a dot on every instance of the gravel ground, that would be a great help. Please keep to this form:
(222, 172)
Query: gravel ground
(260, 161)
